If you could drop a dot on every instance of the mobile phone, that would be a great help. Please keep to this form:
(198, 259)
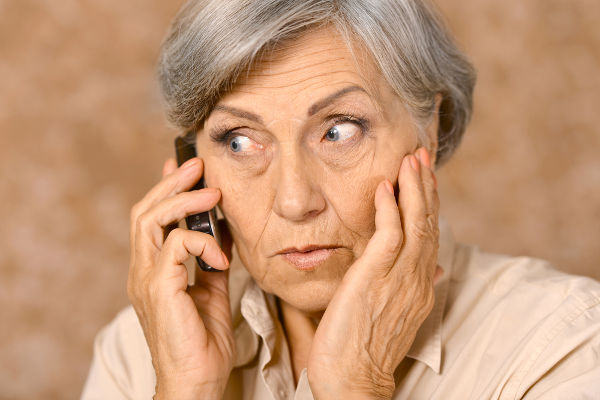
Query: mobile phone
(185, 148)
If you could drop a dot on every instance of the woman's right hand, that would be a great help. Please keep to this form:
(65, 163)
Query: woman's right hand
(188, 329)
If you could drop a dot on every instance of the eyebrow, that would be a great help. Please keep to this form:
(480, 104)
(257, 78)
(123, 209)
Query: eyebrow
(239, 113)
(319, 105)
(312, 110)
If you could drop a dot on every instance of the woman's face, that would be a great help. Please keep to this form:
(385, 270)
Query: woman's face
(297, 149)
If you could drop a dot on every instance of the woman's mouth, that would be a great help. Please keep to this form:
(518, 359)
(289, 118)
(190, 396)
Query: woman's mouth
(309, 259)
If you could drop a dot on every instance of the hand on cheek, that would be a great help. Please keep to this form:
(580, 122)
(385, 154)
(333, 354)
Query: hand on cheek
(385, 296)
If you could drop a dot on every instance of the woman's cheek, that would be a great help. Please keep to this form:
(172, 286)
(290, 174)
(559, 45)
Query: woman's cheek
(240, 206)
(352, 196)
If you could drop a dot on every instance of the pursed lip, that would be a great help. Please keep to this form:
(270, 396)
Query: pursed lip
(306, 248)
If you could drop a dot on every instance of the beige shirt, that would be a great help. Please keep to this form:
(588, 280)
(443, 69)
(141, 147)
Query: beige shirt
(501, 328)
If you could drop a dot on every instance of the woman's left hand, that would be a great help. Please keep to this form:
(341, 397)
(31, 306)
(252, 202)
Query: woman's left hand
(372, 320)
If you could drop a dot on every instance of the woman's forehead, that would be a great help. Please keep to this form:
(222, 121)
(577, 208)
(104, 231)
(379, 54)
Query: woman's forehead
(315, 61)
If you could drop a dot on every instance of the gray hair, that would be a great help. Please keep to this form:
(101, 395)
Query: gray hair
(211, 42)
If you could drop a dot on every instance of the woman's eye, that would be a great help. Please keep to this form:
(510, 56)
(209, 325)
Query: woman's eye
(240, 144)
(341, 132)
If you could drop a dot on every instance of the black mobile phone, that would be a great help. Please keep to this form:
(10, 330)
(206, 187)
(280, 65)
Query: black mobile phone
(185, 148)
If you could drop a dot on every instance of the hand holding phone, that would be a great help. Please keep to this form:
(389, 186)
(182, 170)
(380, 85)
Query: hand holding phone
(188, 328)
(206, 222)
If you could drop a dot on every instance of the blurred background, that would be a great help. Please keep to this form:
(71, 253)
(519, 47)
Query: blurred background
(84, 136)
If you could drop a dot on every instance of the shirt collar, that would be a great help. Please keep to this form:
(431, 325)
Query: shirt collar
(253, 314)
(242, 294)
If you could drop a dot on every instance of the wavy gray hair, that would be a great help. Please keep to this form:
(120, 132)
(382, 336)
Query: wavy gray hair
(211, 42)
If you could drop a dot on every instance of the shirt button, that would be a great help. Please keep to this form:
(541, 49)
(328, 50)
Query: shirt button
(282, 394)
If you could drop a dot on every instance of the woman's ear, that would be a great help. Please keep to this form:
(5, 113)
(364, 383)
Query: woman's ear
(432, 130)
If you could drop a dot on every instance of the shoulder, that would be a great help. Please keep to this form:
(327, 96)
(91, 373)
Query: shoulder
(124, 334)
(122, 365)
(537, 328)
(504, 276)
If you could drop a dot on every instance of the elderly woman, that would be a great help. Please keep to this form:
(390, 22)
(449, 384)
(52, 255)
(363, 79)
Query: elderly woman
(318, 126)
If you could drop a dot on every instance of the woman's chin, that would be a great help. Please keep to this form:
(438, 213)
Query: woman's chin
(309, 295)
(310, 298)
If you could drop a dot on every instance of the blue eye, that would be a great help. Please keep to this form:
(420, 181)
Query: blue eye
(342, 132)
(332, 134)
(235, 142)
(239, 144)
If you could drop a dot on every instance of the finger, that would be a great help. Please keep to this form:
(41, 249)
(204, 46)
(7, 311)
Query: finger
(169, 166)
(202, 277)
(432, 207)
(209, 283)
(211, 297)
(429, 188)
(180, 180)
(152, 235)
(413, 210)
(383, 247)
(179, 246)
(439, 272)
(151, 224)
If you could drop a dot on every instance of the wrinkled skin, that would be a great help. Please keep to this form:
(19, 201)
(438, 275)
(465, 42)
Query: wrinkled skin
(285, 182)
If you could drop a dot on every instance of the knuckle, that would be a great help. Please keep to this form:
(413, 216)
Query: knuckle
(170, 183)
(420, 231)
(412, 264)
(135, 212)
(432, 221)
(143, 221)
(428, 184)
(176, 235)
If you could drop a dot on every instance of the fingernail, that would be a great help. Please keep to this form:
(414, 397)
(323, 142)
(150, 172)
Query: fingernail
(414, 163)
(389, 187)
(425, 159)
(189, 163)
(405, 162)
(418, 155)
(438, 274)
(211, 192)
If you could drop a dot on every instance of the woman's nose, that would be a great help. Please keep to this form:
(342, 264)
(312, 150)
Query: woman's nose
(298, 195)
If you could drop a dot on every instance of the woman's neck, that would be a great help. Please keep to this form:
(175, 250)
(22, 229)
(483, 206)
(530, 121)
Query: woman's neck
(300, 330)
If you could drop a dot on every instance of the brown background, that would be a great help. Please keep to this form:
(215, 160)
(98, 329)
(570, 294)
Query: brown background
(84, 136)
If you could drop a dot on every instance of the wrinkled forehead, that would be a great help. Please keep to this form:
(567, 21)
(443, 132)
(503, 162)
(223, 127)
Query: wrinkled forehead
(313, 64)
